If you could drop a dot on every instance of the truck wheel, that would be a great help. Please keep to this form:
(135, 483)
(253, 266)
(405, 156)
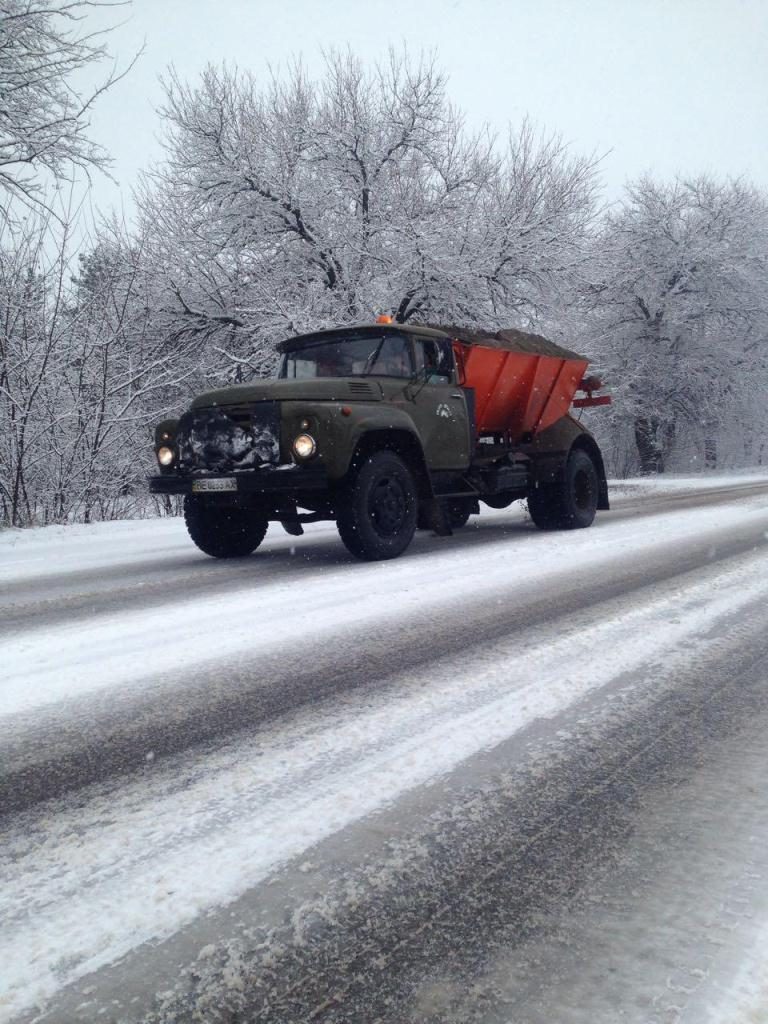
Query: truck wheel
(377, 510)
(223, 532)
(571, 503)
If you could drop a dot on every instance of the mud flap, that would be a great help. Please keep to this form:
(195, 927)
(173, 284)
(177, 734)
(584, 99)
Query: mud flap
(435, 517)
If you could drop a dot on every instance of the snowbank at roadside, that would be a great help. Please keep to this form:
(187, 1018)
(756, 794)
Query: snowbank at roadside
(668, 483)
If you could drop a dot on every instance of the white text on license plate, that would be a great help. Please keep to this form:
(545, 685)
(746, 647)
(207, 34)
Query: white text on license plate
(215, 484)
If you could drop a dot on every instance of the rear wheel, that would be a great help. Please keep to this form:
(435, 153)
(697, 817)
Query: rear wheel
(377, 510)
(223, 532)
(570, 503)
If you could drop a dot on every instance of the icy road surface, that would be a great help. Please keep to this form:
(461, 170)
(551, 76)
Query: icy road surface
(511, 777)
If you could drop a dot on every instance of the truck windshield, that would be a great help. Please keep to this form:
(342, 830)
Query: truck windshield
(351, 355)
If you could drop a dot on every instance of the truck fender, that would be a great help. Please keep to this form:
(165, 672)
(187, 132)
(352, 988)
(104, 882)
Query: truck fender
(588, 444)
(402, 442)
(550, 450)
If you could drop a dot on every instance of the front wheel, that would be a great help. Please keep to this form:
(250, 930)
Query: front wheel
(571, 502)
(223, 532)
(377, 510)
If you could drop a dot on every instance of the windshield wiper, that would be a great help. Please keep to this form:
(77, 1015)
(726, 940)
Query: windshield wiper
(370, 362)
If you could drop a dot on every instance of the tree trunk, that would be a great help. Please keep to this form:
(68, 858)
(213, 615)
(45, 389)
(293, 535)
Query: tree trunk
(648, 448)
(670, 439)
(711, 430)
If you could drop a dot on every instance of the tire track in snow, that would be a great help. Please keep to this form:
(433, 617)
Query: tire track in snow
(57, 747)
(258, 802)
(179, 573)
(481, 862)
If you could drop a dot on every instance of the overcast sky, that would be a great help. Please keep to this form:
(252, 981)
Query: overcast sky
(665, 86)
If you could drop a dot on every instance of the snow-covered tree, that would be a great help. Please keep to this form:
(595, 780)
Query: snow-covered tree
(45, 46)
(120, 378)
(680, 282)
(307, 204)
(83, 375)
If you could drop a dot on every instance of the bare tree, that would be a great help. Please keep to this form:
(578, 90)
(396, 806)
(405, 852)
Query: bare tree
(304, 204)
(681, 286)
(45, 46)
(32, 285)
(83, 374)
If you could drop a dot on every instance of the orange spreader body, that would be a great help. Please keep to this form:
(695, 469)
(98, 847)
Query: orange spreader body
(517, 393)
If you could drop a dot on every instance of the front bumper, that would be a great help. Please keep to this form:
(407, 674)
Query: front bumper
(292, 479)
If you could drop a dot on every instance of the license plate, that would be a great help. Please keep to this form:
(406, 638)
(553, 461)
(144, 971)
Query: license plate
(215, 484)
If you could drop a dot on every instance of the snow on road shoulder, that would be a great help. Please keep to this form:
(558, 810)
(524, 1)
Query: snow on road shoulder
(672, 484)
(57, 551)
(50, 550)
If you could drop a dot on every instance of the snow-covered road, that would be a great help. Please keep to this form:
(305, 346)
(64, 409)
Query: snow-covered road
(195, 753)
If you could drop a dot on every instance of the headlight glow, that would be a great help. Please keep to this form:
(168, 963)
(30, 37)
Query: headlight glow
(304, 446)
(165, 456)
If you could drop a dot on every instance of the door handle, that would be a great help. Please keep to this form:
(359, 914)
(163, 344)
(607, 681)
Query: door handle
(455, 395)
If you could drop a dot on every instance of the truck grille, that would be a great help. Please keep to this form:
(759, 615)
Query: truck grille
(228, 439)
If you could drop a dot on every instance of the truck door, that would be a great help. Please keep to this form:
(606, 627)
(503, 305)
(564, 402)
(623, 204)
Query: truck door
(439, 405)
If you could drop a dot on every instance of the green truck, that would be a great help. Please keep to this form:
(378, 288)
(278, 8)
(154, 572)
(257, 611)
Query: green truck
(386, 428)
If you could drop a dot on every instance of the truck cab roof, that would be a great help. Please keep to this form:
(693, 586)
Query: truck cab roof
(510, 338)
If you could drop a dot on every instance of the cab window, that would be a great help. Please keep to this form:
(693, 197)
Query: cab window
(349, 354)
(392, 359)
(434, 358)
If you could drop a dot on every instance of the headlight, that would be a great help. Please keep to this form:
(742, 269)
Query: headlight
(304, 446)
(165, 456)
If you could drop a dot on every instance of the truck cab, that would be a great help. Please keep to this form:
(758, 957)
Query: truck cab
(413, 372)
